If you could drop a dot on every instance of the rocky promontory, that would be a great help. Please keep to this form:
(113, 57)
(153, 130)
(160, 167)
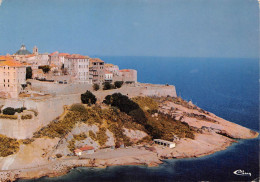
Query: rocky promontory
(135, 123)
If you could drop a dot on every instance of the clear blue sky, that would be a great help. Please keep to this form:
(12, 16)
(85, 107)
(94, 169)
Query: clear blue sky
(176, 28)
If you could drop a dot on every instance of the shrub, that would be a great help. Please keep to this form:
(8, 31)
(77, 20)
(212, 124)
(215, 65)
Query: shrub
(27, 141)
(96, 87)
(121, 101)
(102, 136)
(78, 108)
(35, 112)
(58, 155)
(92, 135)
(88, 98)
(118, 84)
(8, 146)
(28, 73)
(9, 111)
(45, 68)
(107, 86)
(8, 116)
(27, 116)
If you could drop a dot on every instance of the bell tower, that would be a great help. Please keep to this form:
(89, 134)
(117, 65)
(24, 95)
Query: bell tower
(35, 50)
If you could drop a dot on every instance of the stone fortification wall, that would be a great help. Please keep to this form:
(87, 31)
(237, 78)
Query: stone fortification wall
(60, 89)
(19, 128)
(139, 90)
(50, 107)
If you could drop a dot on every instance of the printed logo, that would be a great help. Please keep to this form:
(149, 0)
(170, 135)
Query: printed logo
(241, 172)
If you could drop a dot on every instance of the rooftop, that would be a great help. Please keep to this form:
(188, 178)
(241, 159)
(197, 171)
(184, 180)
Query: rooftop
(76, 56)
(9, 61)
(96, 60)
(86, 147)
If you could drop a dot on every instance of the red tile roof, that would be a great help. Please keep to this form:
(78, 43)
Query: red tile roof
(9, 61)
(125, 70)
(64, 54)
(76, 56)
(86, 147)
(54, 53)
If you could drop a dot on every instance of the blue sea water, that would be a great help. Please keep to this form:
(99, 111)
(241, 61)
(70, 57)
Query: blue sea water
(227, 87)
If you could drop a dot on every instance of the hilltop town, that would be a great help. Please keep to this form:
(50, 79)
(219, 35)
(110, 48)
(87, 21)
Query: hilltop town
(60, 111)
(61, 68)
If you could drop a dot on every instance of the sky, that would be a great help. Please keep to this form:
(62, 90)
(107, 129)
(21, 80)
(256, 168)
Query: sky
(169, 28)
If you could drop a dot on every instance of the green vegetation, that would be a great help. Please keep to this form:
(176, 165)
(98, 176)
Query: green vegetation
(35, 112)
(9, 111)
(108, 86)
(71, 145)
(8, 116)
(27, 116)
(102, 136)
(122, 102)
(45, 68)
(28, 73)
(96, 87)
(92, 135)
(88, 98)
(58, 155)
(27, 141)
(122, 112)
(8, 146)
(118, 84)
(81, 136)
(78, 108)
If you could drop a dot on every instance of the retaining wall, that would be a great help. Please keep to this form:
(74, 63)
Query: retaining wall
(50, 107)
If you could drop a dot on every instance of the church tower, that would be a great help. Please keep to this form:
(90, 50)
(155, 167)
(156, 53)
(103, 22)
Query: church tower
(35, 50)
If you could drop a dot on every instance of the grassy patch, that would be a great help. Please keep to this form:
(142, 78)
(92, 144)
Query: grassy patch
(8, 146)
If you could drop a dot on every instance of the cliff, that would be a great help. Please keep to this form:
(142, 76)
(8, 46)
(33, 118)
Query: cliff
(195, 131)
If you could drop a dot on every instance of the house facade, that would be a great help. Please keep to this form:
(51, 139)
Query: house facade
(97, 70)
(77, 66)
(12, 76)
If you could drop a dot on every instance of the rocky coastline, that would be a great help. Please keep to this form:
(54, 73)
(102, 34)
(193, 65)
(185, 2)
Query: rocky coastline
(212, 134)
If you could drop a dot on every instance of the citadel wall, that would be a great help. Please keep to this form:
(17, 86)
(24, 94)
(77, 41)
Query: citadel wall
(51, 107)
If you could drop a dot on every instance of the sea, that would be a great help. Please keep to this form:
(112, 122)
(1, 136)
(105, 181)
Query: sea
(228, 87)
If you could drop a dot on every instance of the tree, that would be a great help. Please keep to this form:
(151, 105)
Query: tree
(28, 73)
(122, 102)
(107, 86)
(45, 68)
(88, 98)
(96, 87)
(9, 111)
(118, 84)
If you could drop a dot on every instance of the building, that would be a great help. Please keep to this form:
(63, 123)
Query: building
(78, 152)
(97, 70)
(22, 51)
(164, 143)
(77, 66)
(12, 76)
(84, 150)
(108, 76)
(127, 76)
(58, 58)
(112, 68)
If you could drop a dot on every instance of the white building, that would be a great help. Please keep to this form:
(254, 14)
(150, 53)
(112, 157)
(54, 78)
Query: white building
(108, 76)
(164, 143)
(12, 76)
(112, 68)
(77, 66)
